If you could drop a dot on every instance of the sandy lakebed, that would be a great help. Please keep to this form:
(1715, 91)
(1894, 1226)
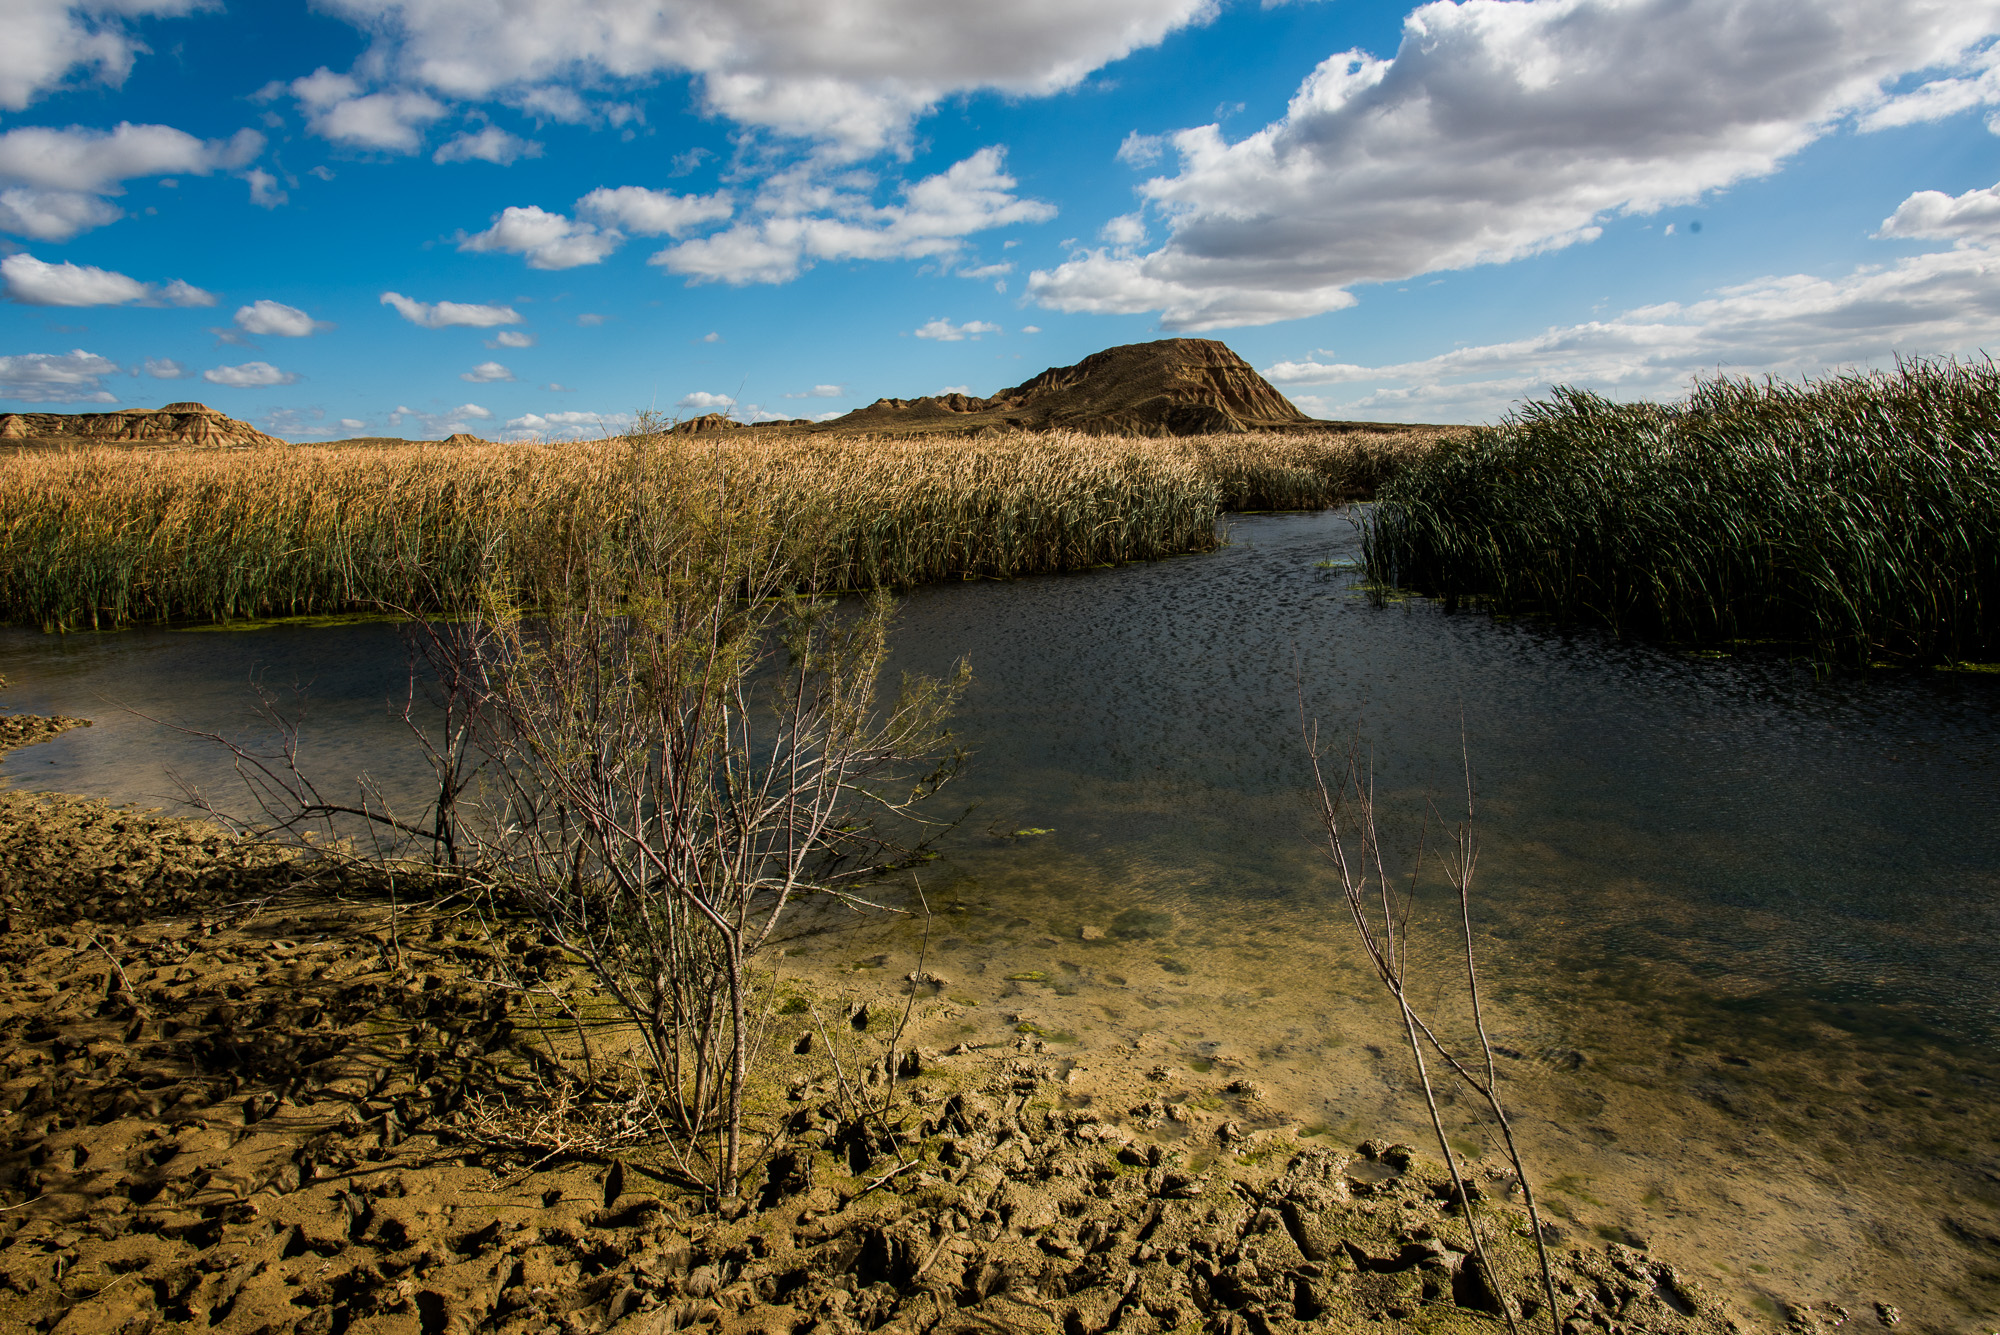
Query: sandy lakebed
(242, 1095)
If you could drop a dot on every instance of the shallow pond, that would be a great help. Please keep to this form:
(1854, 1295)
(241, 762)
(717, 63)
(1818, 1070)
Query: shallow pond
(1737, 920)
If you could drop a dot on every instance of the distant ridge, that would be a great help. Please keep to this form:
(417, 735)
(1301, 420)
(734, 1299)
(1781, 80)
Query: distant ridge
(175, 424)
(1172, 387)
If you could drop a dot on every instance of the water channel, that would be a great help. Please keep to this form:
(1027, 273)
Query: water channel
(1738, 917)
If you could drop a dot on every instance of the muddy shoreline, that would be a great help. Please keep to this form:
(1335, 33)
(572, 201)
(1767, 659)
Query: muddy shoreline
(248, 1093)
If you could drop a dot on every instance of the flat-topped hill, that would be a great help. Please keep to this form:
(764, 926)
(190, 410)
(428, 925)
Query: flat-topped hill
(175, 424)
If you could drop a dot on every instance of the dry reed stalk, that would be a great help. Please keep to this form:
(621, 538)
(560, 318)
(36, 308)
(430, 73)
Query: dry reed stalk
(101, 537)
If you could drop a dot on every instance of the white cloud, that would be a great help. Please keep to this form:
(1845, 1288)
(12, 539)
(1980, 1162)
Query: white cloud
(590, 319)
(96, 161)
(276, 318)
(1502, 130)
(851, 76)
(34, 283)
(264, 192)
(178, 293)
(820, 392)
(568, 425)
(470, 410)
(56, 178)
(486, 373)
(1932, 215)
(702, 401)
(53, 377)
(944, 331)
(804, 219)
(987, 271)
(638, 211)
(338, 110)
(250, 375)
(1141, 150)
(53, 215)
(491, 144)
(351, 424)
(445, 314)
(511, 338)
(756, 412)
(46, 39)
(711, 337)
(1126, 230)
(1031, 329)
(165, 368)
(548, 240)
(956, 389)
(1947, 302)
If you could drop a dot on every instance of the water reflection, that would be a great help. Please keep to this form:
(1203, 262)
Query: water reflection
(1738, 917)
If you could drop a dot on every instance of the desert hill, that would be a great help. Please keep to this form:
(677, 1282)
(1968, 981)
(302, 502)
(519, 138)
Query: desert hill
(175, 424)
(1172, 387)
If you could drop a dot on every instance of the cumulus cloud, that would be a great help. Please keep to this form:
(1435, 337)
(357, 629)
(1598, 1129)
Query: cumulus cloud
(567, 425)
(702, 401)
(820, 392)
(804, 219)
(604, 218)
(491, 144)
(56, 179)
(250, 375)
(1947, 302)
(33, 282)
(511, 338)
(445, 314)
(1031, 329)
(944, 331)
(276, 318)
(53, 215)
(638, 211)
(1502, 130)
(1932, 215)
(336, 109)
(486, 373)
(1126, 230)
(264, 191)
(47, 39)
(850, 76)
(163, 368)
(547, 240)
(178, 293)
(57, 377)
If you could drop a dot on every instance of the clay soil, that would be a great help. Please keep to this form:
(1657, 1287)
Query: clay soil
(252, 1091)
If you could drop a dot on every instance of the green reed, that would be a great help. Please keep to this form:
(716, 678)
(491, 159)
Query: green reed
(1858, 514)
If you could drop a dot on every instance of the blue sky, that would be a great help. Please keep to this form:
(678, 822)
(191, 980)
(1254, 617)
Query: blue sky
(409, 217)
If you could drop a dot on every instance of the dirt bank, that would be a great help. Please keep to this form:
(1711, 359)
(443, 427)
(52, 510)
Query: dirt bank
(244, 1093)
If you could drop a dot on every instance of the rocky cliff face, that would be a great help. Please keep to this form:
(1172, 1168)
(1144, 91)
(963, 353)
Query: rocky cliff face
(175, 424)
(1173, 387)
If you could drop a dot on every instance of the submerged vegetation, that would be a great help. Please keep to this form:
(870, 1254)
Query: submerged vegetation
(104, 537)
(1858, 515)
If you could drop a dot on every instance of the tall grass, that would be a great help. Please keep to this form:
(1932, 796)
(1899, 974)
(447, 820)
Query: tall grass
(1857, 514)
(99, 537)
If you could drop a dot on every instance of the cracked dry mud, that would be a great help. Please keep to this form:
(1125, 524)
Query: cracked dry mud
(240, 1099)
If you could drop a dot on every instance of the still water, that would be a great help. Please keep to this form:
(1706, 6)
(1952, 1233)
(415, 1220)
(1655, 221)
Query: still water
(1738, 919)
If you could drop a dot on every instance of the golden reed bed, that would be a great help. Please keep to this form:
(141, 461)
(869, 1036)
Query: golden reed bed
(106, 536)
